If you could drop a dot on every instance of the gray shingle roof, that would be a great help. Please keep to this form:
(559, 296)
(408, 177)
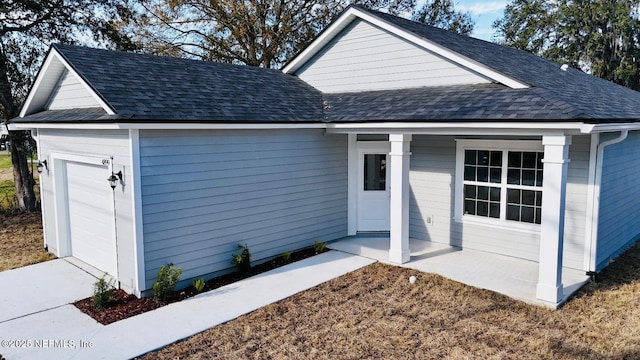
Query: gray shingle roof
(462, 102)
(144, 87)
(591, 98)
(162, 89)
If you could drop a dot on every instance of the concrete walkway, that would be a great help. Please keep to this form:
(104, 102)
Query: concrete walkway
(63, 332)
(516, 278)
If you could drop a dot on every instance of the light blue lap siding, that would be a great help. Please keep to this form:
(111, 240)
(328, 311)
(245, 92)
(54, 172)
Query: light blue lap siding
(432, 192)
(205, 192)
(619, 216)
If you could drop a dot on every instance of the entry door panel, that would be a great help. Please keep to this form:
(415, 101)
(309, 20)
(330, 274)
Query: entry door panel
(373, 188)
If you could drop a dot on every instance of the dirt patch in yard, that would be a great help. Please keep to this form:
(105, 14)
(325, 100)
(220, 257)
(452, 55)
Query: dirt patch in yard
(376, 313)
(6, 174)
(21, 241)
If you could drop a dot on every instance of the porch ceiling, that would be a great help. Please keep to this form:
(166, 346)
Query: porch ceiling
(516, 278)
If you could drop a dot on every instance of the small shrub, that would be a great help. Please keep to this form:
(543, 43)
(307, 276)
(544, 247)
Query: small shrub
(286, 256)
(168, 277)
(319, 247)
(198, 284)
(102, 292)
(242, 261)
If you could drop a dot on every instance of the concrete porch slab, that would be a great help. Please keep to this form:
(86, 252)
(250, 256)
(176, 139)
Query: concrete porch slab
(516, 278)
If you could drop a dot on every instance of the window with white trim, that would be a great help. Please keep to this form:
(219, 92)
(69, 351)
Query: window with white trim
(499, 181)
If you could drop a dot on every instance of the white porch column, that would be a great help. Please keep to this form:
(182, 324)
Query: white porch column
(556, 160)
(399, 251)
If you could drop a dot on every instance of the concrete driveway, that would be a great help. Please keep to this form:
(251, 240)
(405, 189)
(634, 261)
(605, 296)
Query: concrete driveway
(40, 287)
(36, 321)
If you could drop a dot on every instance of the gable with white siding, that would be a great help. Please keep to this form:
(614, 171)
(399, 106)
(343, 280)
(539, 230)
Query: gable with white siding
(70, 93)
(364, 58)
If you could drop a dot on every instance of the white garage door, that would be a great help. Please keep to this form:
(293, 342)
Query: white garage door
(91, 216)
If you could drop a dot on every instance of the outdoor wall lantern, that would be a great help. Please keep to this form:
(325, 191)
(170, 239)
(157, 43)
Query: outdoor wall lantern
(42, 165)
(113, 179)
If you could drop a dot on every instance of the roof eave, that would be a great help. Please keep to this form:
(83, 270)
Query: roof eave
(54, 55)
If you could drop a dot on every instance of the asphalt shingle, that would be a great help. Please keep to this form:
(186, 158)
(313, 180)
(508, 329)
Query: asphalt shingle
(463, 103)
(591, 98)
(144, 88)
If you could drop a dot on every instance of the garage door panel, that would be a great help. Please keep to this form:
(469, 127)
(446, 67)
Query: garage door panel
(90, 210)
(96, 217)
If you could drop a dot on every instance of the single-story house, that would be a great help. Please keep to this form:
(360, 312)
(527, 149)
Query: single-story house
(380, 125)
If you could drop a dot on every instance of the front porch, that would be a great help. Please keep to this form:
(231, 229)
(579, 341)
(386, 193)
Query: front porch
(516, 278)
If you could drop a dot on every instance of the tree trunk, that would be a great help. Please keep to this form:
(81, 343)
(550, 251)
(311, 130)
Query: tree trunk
(22, 177)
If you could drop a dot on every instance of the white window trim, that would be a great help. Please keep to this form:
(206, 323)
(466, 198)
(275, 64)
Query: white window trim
(499, 145)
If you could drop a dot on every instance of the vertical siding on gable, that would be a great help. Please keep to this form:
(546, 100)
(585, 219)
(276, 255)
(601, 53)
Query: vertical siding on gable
(432, 180)
(364, 57)
(206, 192)
(70, 94)
(619, 223)
(102, 143)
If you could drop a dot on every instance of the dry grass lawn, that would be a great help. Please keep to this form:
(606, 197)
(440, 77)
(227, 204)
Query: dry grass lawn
(374, 313)
(21, 241)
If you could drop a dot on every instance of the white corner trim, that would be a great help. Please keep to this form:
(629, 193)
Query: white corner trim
(60, 222)
(589, 243)
(353, 13)
(43, 177)
(54, 56)
(352, 186)
(138, 230)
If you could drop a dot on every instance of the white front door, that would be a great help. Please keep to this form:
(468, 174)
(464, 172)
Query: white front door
(373, 186)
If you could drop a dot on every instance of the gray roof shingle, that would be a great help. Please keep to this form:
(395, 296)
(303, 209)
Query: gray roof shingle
(163, 89)
(144, 87)
(592, 98)
(462, 103)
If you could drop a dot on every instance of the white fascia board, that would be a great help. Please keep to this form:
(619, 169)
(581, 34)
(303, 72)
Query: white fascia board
(352, 13)
(534, 128)
(220, 126)
(456, 128)
(599, 128)
(165, 126)
(36, 85)
(324, 38)
(54, 56)
(29, 126)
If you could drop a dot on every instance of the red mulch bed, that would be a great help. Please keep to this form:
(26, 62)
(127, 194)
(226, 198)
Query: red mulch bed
(125, 305)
